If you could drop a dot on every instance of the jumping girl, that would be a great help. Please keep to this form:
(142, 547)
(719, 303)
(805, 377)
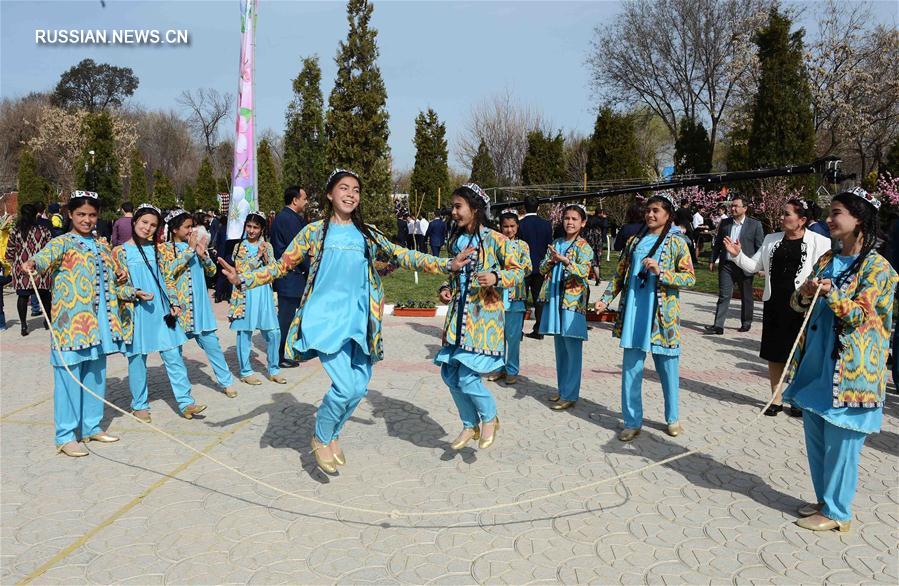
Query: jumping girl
(654, 266)
(88, 323)
(342, 248)
(564, 296)
(156, 326)
(186, 264)
(255, 309)
(838, 375)
(513, 301)
(474, 329)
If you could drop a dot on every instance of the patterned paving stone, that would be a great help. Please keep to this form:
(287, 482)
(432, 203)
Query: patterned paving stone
(147, 511)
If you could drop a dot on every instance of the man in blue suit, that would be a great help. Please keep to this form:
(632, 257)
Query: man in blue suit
(538, 233)
(286, 225)
(436, 234)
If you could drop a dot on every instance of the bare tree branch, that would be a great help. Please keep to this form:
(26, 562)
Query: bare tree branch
(206, 109)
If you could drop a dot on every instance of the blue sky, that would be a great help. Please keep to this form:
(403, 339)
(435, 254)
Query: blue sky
(445, 55)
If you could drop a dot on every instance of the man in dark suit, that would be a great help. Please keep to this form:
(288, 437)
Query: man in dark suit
(436, 234)
(538, 233)
(286, 225)
(750, 234)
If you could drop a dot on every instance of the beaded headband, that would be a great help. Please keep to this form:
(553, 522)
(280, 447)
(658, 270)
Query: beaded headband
(90, 194)
(579, 206)
(509, 212)
(347, 171)
(861, 193)
(256, 215)
(481, 193)
(148, 206)
(800, 202)
(174, 214)
(667, 195)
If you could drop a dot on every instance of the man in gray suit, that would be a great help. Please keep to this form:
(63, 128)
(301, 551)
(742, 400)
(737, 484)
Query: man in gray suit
(750, 234)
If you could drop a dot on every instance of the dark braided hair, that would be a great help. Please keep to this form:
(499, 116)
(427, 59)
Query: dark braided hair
(479, 207)
(256, 218)
(27, 219)
(867, 230)
(579, 210)
(158, 276)
(510, 216)
(176, 222)
(669, 207)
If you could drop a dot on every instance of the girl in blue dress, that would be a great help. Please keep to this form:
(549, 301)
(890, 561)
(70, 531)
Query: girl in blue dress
(255, 309)
(343, 275)
(838, 376)
(564, 296)
(513, 301)
(156, 326)
(84, 334)
(654, 266)
(186, 262)
(474, 330)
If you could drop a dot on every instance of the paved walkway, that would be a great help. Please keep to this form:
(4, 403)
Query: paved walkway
(146, 511)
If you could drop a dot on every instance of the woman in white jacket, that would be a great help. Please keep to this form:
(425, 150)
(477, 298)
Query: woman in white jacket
(787, 259)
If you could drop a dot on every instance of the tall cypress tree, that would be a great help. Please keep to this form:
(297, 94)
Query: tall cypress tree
(205, 190)
(163, 193)
(430, 171)
(356, 122)
(137, 179)
(32, 187)
(268, 186)
(613, 153)
(483, 172)
(304, 138)
(783, 129)
(99, 171)
(544, 161)
(692, 149)
(189, 198)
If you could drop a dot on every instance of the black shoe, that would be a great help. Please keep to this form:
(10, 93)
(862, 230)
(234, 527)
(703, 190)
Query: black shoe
(534, 336)
(773, 410)
(285, 363)
(794, 411)
(744, 328)
(714, 330)
(24, 330)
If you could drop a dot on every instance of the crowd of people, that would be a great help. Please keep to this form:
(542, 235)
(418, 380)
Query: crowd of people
(145, 288)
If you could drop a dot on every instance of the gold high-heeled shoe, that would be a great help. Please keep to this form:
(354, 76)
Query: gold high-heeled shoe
(628, 434)
(562, 405)
(142, 414)
(229, 392)
(498, 375)
(486, 442)
(101, 437)
(674, 429)
(809, 509)
(463, 438)
(251, 380)
(825, 525)
(553, 398)
(339, 458)
(277, 378)
(72, 450)
(327, 466)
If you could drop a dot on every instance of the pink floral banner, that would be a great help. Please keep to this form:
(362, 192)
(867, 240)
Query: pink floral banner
(243, 176)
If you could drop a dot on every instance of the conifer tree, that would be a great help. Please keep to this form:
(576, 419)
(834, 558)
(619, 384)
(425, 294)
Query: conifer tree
(32, 187)
(613, 152)
(206, 189)
(430, 171)
(163, 193)
(99, 171)
(305, 161)
(268, 186)
(692, 149)
(137, 179)
(544, 161)
(483, 171)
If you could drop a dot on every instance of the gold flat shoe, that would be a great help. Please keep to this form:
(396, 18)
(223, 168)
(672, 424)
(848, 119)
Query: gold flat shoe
(511, 379)
(500, 375)
(628, 434)
(825, 525)
(553, 398)
(327, 466)
(229, 392)
(277, 378)
(809, 509)
(192, 410)
(72, 450)
(101, 437)
(142, 414)
(674, 429)
(251, 380)
(339, 458)
(461, 443)
(486, 442)
(562, 405)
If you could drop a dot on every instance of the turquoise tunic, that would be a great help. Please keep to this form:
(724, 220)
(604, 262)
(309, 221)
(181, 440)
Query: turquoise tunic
(107, 345)
(641, 304)
(812, 387)
(151, 334)
(336, 311)
(204, 318)
(554, 320)
(480, 363)
(260, 312)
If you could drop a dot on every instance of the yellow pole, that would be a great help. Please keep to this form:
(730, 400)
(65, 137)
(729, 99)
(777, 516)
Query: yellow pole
(585, 181)
(438, 198)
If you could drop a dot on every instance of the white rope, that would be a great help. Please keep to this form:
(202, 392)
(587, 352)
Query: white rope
(395, 514)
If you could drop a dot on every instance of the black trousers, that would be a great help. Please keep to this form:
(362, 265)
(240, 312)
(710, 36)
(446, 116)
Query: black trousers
(534, 282)
(729, 275)
(287, 308)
